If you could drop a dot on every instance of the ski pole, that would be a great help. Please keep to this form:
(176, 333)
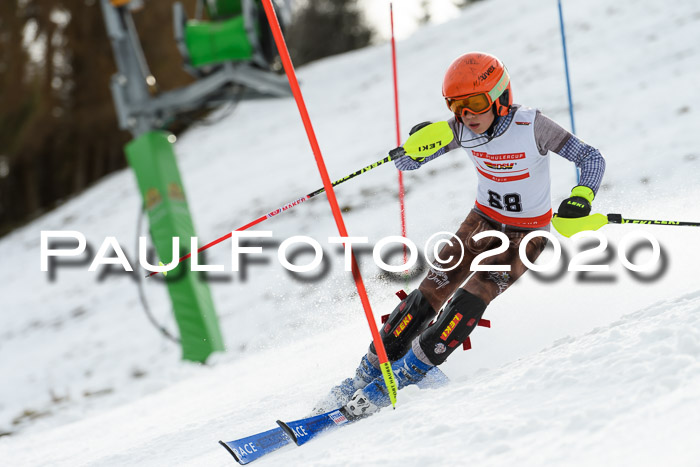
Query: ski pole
(618, 219)
(571, 226)
(423, 142)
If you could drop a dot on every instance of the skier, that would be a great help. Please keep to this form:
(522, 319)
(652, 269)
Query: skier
(509, 146)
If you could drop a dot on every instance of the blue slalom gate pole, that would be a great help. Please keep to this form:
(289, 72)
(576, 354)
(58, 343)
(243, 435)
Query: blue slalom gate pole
(568, 81)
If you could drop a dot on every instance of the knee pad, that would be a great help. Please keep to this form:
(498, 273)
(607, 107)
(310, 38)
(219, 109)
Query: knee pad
(453, 326)
(406, 322)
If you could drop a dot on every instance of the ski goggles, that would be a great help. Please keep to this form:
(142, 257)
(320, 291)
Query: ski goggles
(480, 102)
(475, 104)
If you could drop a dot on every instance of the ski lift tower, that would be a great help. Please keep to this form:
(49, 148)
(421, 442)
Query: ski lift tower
(230, 55)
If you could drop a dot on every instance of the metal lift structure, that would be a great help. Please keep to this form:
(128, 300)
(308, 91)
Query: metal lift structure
(229, 53)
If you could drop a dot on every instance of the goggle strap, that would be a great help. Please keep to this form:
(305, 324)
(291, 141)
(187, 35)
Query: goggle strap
(500, 87)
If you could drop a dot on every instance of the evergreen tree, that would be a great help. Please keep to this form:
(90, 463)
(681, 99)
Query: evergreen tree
(321, 28)
(58, 126)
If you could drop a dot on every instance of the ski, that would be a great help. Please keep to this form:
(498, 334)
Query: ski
(304, 430)
(248, 449)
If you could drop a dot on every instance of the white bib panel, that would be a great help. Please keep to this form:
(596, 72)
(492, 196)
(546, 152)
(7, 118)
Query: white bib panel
(514, 182)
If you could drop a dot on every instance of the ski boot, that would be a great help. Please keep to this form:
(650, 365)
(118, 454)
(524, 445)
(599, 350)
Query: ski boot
(370, 399)
(340, 395)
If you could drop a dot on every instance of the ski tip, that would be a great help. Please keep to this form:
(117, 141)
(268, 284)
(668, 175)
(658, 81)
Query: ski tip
(288, 431)
(231, 451)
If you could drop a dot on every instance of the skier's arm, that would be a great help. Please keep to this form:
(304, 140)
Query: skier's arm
(408, 163)
(549, 136)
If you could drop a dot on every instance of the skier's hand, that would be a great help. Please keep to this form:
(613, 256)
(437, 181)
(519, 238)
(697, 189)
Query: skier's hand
(418, 127)
(578, 204)
(413, 130)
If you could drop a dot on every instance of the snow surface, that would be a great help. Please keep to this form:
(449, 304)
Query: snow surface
(576, 370)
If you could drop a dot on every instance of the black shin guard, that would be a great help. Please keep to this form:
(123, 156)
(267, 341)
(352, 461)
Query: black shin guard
(457, 320)
(406, 322)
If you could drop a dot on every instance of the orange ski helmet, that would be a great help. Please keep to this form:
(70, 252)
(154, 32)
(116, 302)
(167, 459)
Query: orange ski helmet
(476, 81)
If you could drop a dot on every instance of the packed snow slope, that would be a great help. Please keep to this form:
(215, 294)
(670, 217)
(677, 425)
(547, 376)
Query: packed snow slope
(621, 394)
(86, 379)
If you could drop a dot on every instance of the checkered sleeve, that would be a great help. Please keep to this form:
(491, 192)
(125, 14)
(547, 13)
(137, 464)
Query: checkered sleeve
(588, 159)
(407, 163)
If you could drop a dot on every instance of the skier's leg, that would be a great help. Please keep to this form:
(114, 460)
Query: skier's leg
(462, 314)
(409, 369)
(430, 349)
(490, 284)
(408, 320)
(452, 327)
(443, 279)
(416, 311)
(339, 395)
(412, 316)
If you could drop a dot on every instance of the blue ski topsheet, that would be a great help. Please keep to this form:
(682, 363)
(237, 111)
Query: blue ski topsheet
(248, 449)
(305, 429)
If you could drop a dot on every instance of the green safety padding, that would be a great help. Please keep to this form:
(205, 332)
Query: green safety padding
(215, 42)
(152, 158)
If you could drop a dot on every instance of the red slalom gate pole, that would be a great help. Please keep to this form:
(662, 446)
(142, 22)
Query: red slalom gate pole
(337, 215)
(402, 205)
